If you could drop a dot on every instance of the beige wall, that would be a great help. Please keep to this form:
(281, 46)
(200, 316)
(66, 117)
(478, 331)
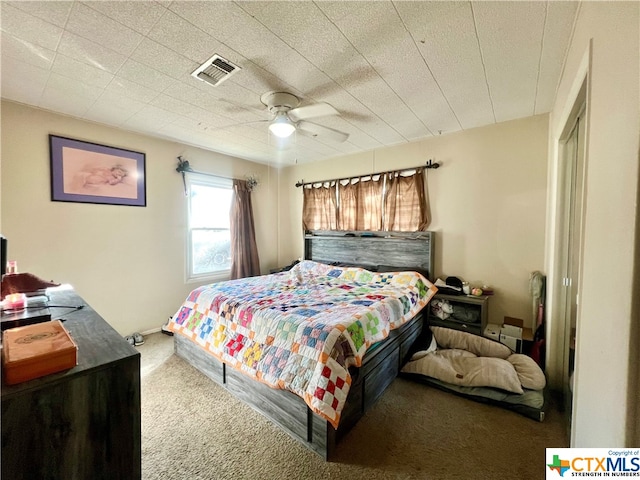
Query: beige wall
(127, 262)
(487, 204)
(606, 397)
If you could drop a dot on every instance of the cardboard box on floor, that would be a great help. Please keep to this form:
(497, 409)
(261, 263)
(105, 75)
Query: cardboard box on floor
(513, 343)
(512, 327)
(492, 331)
(511, 333)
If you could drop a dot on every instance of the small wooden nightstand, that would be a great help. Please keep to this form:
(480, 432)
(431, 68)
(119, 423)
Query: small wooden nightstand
(478, 305)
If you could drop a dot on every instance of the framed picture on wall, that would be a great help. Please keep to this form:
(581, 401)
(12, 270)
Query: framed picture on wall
(91, 173)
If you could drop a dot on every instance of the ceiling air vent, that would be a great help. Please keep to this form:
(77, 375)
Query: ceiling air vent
(215, 70)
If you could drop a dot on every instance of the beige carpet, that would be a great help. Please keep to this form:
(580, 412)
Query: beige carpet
(194, 429)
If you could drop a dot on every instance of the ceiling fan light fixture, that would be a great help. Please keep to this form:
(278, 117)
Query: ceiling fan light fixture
(282, 127)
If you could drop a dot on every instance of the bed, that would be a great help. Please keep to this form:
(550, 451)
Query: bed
(312, 348)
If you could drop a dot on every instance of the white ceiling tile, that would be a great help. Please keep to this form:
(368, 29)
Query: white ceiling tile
(17, 92)
(271, 53)
(258, 80)
(113, 109)
(444, 33)
(202, 100)
(172, 105)
(150, 117)
(130, 90)
(22, 82)
(163, 59)
(64, 102)
(257, 138)
(363, 142)
(90, 52)
(82, 72)
(25, 51)
(557, 32)
(137, 15)
(179, 35)
(69, 87)
(91, 24)
(388, 54)
(412, 129)
(144, 75)
(306, 29)
(218, 19)
(341, 10)
(510, 37)
(254, 8)
(29, 28)
(56, 12)
(190, 112)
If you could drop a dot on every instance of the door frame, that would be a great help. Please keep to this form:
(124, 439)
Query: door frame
(556, 338)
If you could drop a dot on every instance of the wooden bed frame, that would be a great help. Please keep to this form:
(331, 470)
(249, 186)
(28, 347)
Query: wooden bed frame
(380, 366)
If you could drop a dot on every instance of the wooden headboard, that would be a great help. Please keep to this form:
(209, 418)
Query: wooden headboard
(369, 249)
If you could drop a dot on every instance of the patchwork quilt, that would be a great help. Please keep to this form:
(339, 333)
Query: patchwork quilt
(301, 330)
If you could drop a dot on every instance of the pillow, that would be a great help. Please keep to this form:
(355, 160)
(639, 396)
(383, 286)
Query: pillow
(308, 270)
(460, 367)
(530, 374)
(481, 346)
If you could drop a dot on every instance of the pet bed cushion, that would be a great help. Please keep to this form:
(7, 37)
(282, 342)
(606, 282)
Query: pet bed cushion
(528, 371)
(460, 367)
(461, 358)
(480, 346)
(480, 369)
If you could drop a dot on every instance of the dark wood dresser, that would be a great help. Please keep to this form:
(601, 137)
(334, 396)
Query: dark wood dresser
(82, 423)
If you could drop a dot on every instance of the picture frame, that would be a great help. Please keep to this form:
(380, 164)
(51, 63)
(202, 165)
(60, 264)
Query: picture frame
(86, 172)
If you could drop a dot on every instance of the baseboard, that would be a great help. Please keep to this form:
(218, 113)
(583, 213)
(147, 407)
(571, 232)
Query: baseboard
(149, 332)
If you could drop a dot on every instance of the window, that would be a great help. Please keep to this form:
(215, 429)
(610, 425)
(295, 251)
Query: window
(209, 239)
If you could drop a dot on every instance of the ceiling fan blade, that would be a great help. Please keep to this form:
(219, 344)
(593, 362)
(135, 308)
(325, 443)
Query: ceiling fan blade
(312, 111)
(315, 130)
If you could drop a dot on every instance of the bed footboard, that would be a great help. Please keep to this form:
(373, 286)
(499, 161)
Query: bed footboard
(379, 368)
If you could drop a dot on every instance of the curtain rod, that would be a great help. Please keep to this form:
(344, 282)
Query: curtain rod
(184, 167)
(429, 164)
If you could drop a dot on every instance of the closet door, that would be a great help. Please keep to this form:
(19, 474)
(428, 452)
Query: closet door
(571, 225)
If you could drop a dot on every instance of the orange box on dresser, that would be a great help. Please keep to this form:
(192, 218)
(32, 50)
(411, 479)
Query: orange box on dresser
(36, 350)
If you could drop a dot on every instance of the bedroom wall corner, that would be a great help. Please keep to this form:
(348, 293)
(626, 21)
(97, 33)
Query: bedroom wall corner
(128, 263)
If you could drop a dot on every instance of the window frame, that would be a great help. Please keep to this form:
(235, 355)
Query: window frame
(206, 181)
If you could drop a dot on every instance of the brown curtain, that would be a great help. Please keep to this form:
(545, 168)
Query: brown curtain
(319, 207)
(244, 251)
(360, 205)
(406, 206)
(348, 209)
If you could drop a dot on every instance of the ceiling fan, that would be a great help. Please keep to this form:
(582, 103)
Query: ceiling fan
(288, 117)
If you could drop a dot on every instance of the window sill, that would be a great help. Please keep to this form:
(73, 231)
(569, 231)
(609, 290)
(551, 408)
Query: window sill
(210, 277)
